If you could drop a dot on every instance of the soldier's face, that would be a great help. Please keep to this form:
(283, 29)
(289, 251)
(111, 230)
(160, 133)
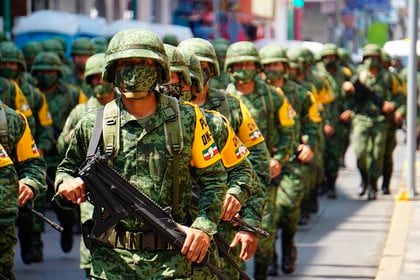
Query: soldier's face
(80, 61)
(275, 66)
(246, 65)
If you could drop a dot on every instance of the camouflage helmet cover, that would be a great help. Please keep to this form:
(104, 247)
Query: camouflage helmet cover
(94, 65)
(203, 50)
(100, 44)
(371, 50)
(10, 53)
(31, 49)
(170, 39)
(47, 61)
(136, 43)
(241, 52)
(177, 62)
(52, 45)
(295, 58)
(329, 49)
(194, 68)
(82, 46)
(272, 53)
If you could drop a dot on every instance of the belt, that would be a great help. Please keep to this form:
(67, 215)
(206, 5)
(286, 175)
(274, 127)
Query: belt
(134, 241)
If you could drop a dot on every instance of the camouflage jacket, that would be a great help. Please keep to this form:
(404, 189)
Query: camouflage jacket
(237, 115)
(274, 116)
(305, 106)
(221, 81)
(60, 103)
(44, 132)
(75, 115)
(145, 162)
(19, 162)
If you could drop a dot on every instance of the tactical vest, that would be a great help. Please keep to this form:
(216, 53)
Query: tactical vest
(173, 138)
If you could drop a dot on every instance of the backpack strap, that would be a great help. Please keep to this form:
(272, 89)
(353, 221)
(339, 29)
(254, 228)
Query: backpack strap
(96, 134)
(220, 100)
(174, 144)
(110, 127)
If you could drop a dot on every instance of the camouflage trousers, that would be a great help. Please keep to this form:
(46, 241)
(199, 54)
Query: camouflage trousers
(86, 213)
(333, 151)
(119, 264)
(282, 210)
(7, 253)
(390, 144)
(370, 136)
(227, 231)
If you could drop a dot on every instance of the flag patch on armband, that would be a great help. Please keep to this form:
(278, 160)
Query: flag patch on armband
(241, 151)
(210, 152)
(255, 135)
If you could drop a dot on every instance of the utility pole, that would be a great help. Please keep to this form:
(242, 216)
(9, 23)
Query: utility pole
(7, 21)
(412, 99)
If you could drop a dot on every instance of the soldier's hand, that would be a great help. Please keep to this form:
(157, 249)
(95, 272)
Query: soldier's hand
(328, 130)
(275, 168)
(231, 206)
(346, 116)
(388, 107)
(25, 194)
(248, 241)
(398, 118)
(348, 87)
(196, 244)
(73, 190)
(305, 153)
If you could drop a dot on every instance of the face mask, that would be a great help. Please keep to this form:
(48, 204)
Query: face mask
(46, 81)
(244, 75)
(102, 89)
(206, 74)
(329, 63)
(8, 73)
(371, 62)
(273, 75)
(80, 67)
(136, 81)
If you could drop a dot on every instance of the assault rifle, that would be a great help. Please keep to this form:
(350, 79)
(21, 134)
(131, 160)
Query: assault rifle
(362, 93)
(114, 198)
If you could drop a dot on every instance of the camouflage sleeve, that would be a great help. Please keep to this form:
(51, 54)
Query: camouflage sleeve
(64, 139)
(260, 161)
(310, 120)
(398, 97)
(44, 135)
(239, 180)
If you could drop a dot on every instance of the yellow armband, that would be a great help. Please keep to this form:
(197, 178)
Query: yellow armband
(286, 112)
(204, 150)
(313, 113)
(234, 150)
(82, 97)
(248, 132)
(44, 115)
(26, 147)
(4, 157)
(21, 103)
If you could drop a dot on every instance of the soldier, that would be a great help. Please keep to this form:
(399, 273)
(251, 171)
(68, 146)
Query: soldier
(298, 173)
(30, 50)
(100, 44)
(222, 80)
(55, 46)
(81, 50)
(338, 139)
(393, 120)
(136, 63)
(61, 99)
(370, 120)
(170, 39)
(233, 154)
(22, 173)
(275, 116)
(30, 228)
(104, 93)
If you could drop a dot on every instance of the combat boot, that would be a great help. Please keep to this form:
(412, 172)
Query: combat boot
(288, 260)
(385, 184)
(372, 191)
(330, 183)
(260, 271)
(364, 184)
(273, 268)
(37, 255)
(305, 216)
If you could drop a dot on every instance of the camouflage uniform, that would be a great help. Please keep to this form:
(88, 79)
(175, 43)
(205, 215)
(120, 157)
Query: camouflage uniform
(61, 100)
(370, 125)
(55, 46)
(145, 167)
(222, 80)
(19, 162)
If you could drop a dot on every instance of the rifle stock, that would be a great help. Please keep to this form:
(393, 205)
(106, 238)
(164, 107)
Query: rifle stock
(114, 198)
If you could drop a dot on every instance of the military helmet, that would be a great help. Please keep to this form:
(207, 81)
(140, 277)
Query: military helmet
(203, 50)
(194, 68)
(371, 50)
(10, 53)
(31, 49)
(220, 46)
(94, 64)
(82, 46)
(241, 52)
(52, 45)
(136, 43)
(344, 54)
(329, 49)
(170, 39)
(295, 58)
(100, 44)
(272, 53)
(177, 62)
(47, 61)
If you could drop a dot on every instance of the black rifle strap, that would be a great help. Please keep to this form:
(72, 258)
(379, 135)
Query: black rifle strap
(96, 134)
